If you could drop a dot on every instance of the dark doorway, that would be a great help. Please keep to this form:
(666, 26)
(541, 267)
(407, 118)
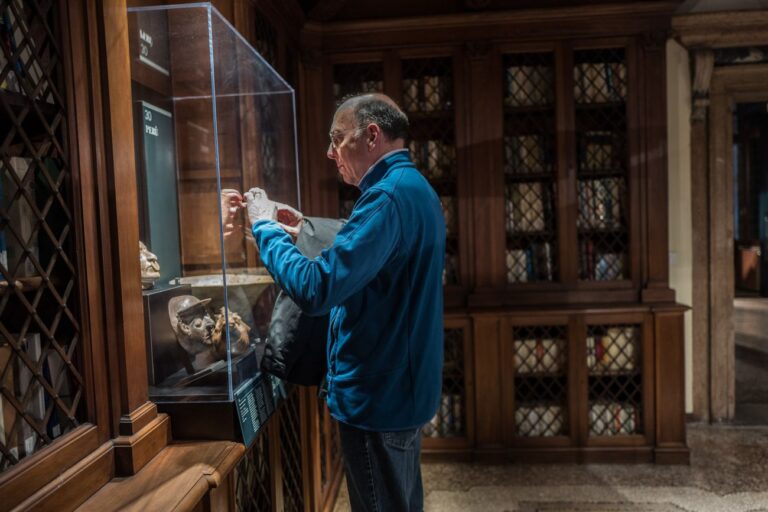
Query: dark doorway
(750, 168)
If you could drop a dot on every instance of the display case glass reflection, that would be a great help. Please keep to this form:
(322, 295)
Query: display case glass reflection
(210, 114)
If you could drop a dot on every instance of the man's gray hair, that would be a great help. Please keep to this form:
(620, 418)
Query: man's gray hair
(380, 110)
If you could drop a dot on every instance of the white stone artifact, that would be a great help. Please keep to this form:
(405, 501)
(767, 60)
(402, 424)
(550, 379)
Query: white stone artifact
(150, 267)
(193, 326)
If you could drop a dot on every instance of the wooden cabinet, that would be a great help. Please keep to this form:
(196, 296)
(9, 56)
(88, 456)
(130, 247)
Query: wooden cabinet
(547, 149)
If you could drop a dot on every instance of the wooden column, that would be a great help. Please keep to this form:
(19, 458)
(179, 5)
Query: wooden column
(702, 74)
(656, 257)
(483, 150)
(132, 412)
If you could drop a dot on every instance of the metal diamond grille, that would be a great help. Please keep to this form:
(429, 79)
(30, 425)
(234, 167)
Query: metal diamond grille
(253, 477)
(529, 167)
(541, 380)
(427, 98)
(615, 380)
(40, 384)
(602, 158)
(349, 79)
(266, 38)
(268, 139)
(450, 419)
(600, 76)
(290, 451)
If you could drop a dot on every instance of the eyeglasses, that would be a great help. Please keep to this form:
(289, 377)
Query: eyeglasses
(338, 136)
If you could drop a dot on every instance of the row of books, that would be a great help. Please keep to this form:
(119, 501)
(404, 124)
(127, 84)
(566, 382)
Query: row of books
(16, 433)
(610, 418)
(528, 206)
(599, 151)
(539, 356)
(339, 90)
(526, 154)
(600, 82)
(597, 265)
(449, 419)
(539, 420)
(527, 86)
(428, 93)
(531, 264)
(26, 71)
(434, 158)
(614, 351)
(600, 203)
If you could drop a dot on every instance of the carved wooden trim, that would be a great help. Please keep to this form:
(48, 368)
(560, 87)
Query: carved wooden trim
(703, 64)
(32, 473)
(133, 452)
(478, 49)
(720, 29)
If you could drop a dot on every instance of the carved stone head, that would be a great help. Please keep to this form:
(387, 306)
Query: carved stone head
(192, 323)
(150, 266)
(238, 334)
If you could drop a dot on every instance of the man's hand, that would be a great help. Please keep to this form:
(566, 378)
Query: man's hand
(260, 207)
(290, 219)
(231, 203)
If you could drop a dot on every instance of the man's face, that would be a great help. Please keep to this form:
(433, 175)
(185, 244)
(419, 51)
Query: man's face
(348, 147)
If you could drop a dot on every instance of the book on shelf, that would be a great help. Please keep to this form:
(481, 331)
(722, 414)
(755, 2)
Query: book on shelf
(537, 355)
(597, 265)
(596, 150)
(614, 351)
(524, 154)
(539, 420)
(531, 264)
(600, 82)
(527, 207)
(27, 70)
(433, 158)
(611, 418)
(528, 86)
(448, 420)
(427, 93)
(600, 203)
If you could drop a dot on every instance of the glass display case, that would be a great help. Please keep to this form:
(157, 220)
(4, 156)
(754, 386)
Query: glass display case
(210, 116)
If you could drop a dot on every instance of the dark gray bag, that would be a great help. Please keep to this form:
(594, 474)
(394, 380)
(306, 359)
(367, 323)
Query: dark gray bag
(295, 348)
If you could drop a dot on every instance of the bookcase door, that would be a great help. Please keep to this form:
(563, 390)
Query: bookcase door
(537, 381)
(617, 391)
(604, 160)
(452, 426)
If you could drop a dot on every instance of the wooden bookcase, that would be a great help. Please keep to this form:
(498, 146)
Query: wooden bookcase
(547, 150)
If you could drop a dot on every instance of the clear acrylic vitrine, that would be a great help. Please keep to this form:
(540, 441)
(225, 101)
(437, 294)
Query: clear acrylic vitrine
(210, 115)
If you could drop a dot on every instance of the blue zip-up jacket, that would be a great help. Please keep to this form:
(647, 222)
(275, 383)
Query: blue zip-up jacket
(381, 280)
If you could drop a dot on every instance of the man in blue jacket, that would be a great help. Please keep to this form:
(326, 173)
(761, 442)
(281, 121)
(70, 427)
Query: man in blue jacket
(381, 281)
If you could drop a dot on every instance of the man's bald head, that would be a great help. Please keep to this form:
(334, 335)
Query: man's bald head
(379, 109)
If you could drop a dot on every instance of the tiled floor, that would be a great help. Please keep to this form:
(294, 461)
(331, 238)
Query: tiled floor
(728, 473)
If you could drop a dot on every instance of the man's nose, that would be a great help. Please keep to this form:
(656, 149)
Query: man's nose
(330, 152)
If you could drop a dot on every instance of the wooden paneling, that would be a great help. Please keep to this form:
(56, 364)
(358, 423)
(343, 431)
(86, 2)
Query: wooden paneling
(488, 367)
(670, 387)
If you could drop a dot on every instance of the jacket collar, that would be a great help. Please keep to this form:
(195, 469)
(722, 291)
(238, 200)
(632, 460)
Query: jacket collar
(380, 168)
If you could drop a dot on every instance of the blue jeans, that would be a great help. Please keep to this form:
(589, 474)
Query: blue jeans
(383, 469)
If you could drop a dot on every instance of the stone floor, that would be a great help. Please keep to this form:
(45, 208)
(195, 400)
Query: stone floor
(728, 473)
(750, 321)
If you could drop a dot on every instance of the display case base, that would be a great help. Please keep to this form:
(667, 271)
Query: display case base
(239, 419)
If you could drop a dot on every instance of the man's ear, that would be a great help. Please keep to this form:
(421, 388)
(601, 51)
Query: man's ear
(374, 135)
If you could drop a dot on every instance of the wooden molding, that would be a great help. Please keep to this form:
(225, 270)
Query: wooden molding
(133, 452)
(722, 29)
(139, 418)
(524, 24)
(178, 478)
(35, 471)
(478, 49)
(77, 484)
